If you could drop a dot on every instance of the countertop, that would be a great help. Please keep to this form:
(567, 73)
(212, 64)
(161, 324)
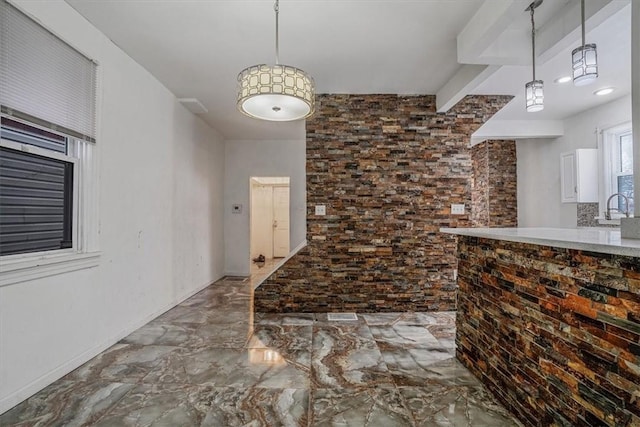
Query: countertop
(588, 239)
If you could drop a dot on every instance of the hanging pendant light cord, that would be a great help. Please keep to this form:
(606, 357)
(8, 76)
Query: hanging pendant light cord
(276, 8)
(533, 42)
(582, 13)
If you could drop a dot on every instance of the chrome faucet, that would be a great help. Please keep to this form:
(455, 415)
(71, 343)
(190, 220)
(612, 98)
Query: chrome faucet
(607, 214)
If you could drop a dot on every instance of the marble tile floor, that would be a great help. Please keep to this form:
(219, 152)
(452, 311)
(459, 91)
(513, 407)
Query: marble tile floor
(211, 361)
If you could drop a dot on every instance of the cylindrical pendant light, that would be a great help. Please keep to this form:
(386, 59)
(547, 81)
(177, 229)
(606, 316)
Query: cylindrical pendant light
(584, 59)
(276, 92)
(534, 90)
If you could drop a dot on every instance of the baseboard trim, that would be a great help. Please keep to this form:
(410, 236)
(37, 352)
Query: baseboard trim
(35, 386)
(236, 274)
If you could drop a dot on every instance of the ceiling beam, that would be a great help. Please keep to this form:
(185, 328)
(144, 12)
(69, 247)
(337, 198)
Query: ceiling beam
(561, 32)
(490, 37)
(467, 78)
(490, 40)
(518, 129)
(486, 26)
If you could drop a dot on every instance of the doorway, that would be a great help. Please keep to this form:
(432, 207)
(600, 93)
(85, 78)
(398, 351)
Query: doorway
(269, 216)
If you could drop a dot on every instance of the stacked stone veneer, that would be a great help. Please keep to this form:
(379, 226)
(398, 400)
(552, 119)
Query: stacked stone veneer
(494, 195)
(554, 333)
(387, 168)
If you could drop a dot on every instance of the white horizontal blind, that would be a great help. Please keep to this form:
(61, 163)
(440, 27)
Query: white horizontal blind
(43, 79)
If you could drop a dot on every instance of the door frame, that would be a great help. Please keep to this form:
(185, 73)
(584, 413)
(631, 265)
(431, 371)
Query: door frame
(272, 181)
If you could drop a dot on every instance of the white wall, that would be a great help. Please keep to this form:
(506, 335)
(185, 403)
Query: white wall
(161, 223)
(244, 159)
(539, 165)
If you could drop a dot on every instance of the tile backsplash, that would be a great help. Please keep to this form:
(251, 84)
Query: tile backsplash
(586, 213)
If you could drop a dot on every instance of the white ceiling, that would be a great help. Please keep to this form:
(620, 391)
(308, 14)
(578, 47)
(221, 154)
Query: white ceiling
(613, 39)
(197, 47)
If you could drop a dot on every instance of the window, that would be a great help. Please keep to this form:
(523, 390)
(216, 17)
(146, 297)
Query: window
(617, 166)
(48, 177)
(622, 170)
(36, 190)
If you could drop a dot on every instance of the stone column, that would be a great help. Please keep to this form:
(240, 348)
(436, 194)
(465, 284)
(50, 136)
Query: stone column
(631, 226)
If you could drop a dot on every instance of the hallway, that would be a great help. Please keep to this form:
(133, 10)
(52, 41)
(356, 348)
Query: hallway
(211, 362)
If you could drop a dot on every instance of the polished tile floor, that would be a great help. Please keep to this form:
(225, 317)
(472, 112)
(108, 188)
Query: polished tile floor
(211, 362)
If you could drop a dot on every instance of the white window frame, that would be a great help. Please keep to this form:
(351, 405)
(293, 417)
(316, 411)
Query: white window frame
(609, 138)
(84, 252)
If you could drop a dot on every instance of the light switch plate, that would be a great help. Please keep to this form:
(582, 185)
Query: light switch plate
(457, 209)
(321, 210)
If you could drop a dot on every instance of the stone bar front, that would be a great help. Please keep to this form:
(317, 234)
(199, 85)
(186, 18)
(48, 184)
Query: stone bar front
(549, 321)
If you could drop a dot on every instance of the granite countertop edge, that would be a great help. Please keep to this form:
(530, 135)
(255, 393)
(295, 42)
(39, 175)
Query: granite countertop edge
(598, 240)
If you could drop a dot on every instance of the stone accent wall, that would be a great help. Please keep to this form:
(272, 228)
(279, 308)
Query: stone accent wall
(480, 185)
(494, 194)
(553, 333)
(387, 168)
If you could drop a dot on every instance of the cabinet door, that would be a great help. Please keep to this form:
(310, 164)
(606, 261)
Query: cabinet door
(587, 175)
(568, 174)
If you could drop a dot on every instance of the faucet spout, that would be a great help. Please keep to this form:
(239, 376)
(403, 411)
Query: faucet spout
(607, 214)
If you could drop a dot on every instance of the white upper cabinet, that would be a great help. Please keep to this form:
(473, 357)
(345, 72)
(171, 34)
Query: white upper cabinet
(579, 176)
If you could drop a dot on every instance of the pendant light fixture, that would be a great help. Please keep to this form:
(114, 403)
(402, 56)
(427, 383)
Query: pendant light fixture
(534, 92)
(584, 59)
(276, 92)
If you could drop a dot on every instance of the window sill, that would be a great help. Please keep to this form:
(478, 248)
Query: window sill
(30, 268)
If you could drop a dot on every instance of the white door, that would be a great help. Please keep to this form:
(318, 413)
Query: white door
(261, 221)
(280, 221)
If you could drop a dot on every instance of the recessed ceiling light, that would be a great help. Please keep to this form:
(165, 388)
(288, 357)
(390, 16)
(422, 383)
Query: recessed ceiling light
(563, 79)
(604, 91)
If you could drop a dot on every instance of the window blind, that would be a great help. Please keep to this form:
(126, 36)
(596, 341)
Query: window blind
(43, 79)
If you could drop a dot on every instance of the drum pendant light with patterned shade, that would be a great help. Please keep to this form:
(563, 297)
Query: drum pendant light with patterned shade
(276, 92)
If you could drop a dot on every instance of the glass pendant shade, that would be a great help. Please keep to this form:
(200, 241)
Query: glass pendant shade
(275, 93)
(585, 64)
(534, 94)
(278, 93)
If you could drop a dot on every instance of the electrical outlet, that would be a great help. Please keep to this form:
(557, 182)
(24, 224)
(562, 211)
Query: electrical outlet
(321, 210)
(457, 209)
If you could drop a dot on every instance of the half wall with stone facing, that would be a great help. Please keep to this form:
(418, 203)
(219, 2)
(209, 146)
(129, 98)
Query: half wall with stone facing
(553, 333)
(387, 168)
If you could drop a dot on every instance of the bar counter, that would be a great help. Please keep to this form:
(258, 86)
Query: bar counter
(549, 320)
(602, 240)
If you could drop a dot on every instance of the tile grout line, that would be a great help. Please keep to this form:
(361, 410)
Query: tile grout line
(310, 414)
(115, 404)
